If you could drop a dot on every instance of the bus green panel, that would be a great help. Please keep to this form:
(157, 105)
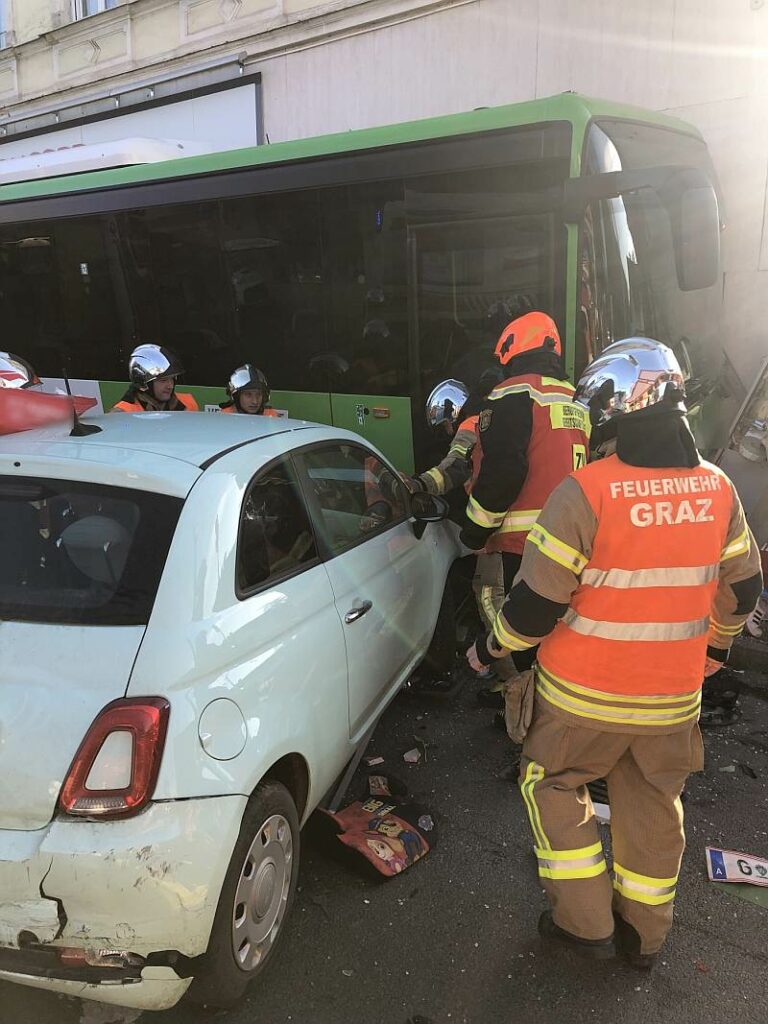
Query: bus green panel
(383, 420)
(304, 405)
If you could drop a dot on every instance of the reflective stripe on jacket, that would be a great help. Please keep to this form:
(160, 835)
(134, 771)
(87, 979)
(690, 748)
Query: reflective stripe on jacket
(639, 619)
(456, 468)
(558, 444)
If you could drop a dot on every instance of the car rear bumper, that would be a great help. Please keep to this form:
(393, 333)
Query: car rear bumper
(146, 886)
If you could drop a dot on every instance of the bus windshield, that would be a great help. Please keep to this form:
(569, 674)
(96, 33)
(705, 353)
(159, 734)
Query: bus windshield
(628, 280)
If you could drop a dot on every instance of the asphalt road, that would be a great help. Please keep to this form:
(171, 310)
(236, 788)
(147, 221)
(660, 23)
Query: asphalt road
(454, 938)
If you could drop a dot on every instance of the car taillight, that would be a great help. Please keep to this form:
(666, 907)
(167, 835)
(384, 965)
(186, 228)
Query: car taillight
(115, 770)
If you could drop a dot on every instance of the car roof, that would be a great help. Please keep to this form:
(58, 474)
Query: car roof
(193, 438)
(160, 452)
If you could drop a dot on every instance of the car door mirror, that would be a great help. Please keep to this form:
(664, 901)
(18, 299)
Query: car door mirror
(427, 508)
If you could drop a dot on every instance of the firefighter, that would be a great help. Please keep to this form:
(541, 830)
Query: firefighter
(635, 580)
(248, 392)
(531, 435)
(153, 370)
(452, 407)
(16, 372)
(444, 413)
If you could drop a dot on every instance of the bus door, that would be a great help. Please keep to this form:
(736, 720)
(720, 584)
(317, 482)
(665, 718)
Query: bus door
(467, 278)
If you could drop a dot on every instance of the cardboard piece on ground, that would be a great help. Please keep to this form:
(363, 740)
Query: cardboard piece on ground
(757, 894)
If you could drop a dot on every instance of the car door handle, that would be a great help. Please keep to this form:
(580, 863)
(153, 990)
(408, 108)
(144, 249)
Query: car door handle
(357, 613)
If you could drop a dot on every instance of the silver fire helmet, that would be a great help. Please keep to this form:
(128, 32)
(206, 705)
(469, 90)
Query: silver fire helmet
(446, 402)
(16, 372)
(247, 378)
(630, 375)
(150, 362)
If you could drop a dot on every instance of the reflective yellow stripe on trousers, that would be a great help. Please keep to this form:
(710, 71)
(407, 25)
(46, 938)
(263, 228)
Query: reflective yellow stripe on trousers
(586, 862)
(643, 888)
(534, 773)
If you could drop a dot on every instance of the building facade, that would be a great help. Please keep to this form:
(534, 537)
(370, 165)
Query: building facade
(221, 74)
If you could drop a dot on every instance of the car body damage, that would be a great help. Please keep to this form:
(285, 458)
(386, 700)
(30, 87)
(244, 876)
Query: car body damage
(143, 886)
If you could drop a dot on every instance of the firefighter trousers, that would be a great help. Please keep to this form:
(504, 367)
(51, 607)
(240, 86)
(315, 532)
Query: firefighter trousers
(495, 572)
(645, 775)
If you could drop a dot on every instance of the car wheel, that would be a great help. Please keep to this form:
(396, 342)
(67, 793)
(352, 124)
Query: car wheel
(441, 655)
(255, 900)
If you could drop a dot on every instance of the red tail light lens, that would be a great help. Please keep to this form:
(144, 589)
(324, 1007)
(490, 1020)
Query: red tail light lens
(125, 743)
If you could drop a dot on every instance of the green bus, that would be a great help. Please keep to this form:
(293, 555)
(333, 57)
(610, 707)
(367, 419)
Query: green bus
(358, 270)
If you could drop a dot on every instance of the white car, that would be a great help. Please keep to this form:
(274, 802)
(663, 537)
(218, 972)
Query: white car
(201, 619)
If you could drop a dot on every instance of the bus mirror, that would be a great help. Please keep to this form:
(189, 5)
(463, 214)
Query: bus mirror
(695, 220)
(691, 203)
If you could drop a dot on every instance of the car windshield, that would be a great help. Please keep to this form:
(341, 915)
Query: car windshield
(81, 553)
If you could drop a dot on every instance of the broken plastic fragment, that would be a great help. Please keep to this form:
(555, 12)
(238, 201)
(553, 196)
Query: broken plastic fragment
(412, 756)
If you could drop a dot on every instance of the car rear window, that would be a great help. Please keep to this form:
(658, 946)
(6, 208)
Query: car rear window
(81, 553)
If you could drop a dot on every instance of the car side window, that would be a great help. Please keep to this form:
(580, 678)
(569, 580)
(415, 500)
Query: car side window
(276, 538)
(355, 493)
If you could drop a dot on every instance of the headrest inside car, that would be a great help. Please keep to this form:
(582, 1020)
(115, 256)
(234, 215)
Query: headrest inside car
(98, 548)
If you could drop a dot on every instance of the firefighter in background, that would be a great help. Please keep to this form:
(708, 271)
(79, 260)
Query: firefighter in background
(531, 435)
(153, 371)
(636, 578)
(16, 372)
(248, 392)
(452, 407)
(444, 413)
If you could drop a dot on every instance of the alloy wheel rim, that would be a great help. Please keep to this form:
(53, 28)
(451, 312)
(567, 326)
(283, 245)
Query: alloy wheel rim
(261, 897)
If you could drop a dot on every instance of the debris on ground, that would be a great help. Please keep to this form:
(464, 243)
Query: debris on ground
(371, 762)
(378, 785)
(720, 698)
(385, 827)
(432, 688)
(103, 1013)
(412, 756)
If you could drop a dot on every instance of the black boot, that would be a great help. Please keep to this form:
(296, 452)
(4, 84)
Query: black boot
(595, 949)
(628, 945)
(488, 698)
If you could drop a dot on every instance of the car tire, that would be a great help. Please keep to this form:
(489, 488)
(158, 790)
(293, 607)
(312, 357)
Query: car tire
(441, 655)
(255, 900)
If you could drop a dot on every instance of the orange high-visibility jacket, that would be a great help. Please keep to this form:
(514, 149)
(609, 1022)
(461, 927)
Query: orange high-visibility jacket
(190, 405)
(639, 618)
(558, 444)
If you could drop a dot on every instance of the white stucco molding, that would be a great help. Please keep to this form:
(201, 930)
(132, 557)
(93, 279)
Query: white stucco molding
(101, 45)
(256, 34)
(9, 80)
